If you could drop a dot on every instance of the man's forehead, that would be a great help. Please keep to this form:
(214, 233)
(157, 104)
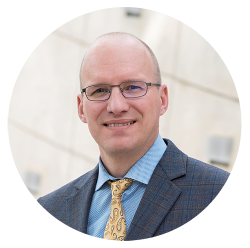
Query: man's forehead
(114, 56)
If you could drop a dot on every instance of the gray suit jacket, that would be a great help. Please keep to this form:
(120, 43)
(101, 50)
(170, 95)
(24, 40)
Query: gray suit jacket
(179, 189)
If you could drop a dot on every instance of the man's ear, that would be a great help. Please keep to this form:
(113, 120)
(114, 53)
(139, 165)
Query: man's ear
(80, 108)
(164, 99)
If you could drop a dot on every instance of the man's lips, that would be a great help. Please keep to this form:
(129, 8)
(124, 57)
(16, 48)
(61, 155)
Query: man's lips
(118, 123)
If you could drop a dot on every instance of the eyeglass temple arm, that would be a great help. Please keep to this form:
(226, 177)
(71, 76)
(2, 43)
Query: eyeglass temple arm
(149, 84)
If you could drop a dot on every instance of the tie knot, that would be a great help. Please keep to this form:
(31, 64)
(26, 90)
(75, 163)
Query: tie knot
(119, 186)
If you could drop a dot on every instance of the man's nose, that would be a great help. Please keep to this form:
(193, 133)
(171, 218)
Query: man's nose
(117, 103)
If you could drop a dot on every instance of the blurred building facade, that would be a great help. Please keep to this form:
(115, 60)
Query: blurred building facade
(52, 147)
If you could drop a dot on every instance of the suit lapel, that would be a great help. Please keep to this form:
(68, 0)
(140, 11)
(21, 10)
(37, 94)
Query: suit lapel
(78, 204)
(160, 194)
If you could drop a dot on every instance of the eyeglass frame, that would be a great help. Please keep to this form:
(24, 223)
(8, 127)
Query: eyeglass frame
(118, 85)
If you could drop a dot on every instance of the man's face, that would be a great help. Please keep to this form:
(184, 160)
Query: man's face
(113, 62)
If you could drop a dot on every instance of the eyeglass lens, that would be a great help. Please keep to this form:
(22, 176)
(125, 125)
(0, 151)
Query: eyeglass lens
(129, 90)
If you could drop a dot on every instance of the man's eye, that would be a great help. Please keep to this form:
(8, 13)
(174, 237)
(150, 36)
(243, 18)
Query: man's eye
(133, 87)
(100, 90)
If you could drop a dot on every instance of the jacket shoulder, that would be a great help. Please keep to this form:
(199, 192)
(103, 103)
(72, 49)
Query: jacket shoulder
(65, 191)
(205, 173)
(204, 179)
(178, 165)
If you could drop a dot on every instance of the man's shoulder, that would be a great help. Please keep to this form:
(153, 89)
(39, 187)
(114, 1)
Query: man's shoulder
(205, 173)
(195, 171)
(67, 190)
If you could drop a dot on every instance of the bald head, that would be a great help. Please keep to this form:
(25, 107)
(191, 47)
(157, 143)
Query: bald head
(116, 43)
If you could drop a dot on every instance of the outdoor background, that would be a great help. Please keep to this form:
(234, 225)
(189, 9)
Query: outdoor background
(52, 147)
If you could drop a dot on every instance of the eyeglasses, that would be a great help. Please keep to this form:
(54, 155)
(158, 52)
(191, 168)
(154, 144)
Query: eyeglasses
(102, 92)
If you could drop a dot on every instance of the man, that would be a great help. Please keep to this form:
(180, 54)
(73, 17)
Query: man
(121, 101)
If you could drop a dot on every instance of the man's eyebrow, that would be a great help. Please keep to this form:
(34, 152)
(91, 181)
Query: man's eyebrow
(97, 83)
(133, 80)
(123, 81)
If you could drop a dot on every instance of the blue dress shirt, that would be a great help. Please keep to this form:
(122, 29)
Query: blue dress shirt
(141, 172)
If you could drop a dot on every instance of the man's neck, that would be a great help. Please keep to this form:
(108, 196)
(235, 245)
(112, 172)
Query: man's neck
(118, 164)
(118, 167)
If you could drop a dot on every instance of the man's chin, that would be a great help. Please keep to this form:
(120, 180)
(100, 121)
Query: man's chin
(119, 148)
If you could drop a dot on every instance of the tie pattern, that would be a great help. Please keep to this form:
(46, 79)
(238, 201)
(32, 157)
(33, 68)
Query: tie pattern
(116, 226)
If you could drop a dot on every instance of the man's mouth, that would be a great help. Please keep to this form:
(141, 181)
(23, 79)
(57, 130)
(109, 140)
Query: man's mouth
(119, 124)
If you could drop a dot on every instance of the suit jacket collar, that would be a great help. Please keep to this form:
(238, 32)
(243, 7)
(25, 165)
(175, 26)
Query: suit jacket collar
(173, 161)
(78, 204)
(160, 194)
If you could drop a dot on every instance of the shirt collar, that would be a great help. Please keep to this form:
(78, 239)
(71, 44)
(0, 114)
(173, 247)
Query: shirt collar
(142, 169)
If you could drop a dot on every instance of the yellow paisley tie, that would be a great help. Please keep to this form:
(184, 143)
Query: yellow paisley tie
(116, 226)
